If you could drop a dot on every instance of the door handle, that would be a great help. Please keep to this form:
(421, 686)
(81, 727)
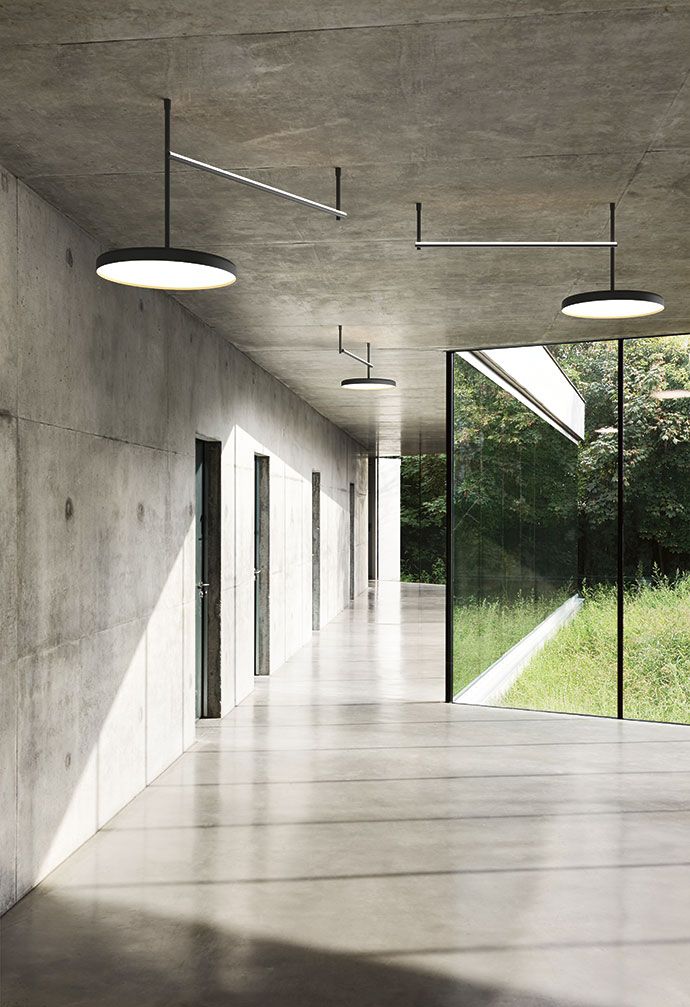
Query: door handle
(202, 588)
(257, 572)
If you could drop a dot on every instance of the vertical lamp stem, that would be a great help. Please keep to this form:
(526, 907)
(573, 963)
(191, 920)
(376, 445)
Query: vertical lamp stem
(419, 224)
(368, 360)
(612, 252)
(166, 107)
(338, 173)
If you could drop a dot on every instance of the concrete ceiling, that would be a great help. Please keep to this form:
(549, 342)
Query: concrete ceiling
(508, 118)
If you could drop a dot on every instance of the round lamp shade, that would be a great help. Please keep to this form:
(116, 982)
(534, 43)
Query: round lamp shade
(368, 384)
(159, 268)
(603, 304)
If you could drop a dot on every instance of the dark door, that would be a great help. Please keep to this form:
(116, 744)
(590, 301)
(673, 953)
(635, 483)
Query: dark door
(207, 498)
(372, 502)
(262, 563)
(201, 583)
(352, 541)
(315, 550)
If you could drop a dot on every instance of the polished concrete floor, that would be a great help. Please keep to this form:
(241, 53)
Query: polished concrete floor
(345, 838)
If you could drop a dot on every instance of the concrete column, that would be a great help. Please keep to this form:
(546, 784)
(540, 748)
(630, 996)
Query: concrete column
(389, 518)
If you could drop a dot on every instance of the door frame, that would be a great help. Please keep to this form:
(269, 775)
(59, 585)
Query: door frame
(315, 550)
(207, 578)
(352, 541)
(262, 565)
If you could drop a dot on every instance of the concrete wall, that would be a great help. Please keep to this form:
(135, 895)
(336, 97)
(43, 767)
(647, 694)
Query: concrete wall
(102, 391)
(389, 518)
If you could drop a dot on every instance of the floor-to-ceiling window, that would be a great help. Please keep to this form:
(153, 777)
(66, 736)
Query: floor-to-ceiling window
(536, 519)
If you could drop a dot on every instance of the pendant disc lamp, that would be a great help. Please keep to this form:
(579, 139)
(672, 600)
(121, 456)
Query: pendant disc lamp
(165, 267)
(612, 303)
(367, 384)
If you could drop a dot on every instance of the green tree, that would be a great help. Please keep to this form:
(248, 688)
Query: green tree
(423, 518)
(656, 469)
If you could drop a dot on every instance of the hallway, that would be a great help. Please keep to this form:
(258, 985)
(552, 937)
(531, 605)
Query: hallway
(344, 837)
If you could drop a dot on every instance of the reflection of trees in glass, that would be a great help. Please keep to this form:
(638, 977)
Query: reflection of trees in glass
(423, 519)
(576, 671)
(515, 521)
(657, 455)
(592, 367)
(515, 495)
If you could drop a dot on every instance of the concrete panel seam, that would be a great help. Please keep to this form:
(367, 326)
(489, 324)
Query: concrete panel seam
(115, 40)
(103, 437)
(35, 651)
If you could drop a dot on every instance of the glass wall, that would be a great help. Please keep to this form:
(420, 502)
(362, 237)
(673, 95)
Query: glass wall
(524, 504)
(535, 520)
(515, 530)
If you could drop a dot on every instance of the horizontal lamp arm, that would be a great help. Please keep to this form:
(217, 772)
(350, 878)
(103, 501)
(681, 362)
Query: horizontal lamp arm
(341, 349)
(263, 186)
(508, 244)
(361, 360)
(516, 244)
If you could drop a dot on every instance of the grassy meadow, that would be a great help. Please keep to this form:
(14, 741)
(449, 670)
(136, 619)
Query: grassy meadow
(576, 671)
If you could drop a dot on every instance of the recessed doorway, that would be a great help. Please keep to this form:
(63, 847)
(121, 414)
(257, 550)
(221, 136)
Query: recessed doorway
(207, 585)
(316, 550)
(352, 541)
(262, 566)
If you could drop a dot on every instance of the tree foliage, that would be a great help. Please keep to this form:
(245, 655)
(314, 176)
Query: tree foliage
(423, 518)
(656, 471)
(512, 475)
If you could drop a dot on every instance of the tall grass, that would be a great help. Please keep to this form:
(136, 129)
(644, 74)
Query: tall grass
(485, 630)
(657, 652)
(576, 670)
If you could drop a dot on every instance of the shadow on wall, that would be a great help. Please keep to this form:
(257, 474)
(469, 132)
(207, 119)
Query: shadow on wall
(61, 952)
(105, 712)
(102, 391)
(104, 705)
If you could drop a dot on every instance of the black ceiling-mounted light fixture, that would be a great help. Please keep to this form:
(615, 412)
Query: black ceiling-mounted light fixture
(165, 267)
(612, 303)
(363, 384)
(591, 304)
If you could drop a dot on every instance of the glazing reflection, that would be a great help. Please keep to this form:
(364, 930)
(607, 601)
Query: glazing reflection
(535, 534)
